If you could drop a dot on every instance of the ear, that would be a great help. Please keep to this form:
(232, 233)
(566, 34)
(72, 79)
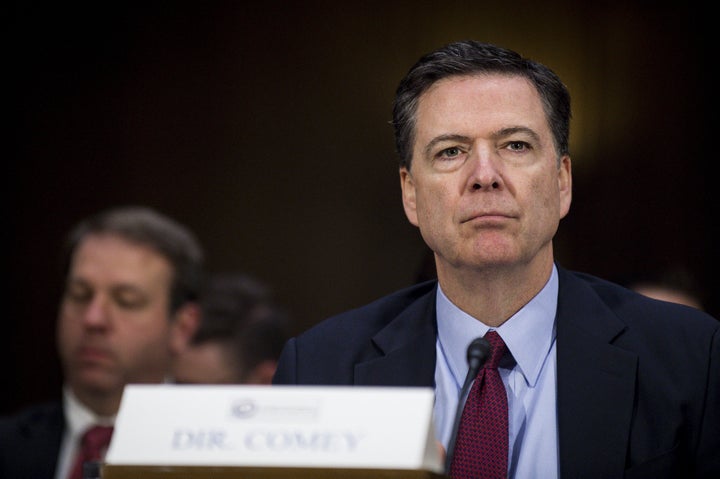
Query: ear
(262, 373)
(565, 185)
(185, 323)
(407, 184)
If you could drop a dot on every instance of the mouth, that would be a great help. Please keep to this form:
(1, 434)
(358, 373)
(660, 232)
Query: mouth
(487, 217)
(92, 355)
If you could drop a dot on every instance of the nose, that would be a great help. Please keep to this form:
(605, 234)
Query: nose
(484, 170)
(96, 313)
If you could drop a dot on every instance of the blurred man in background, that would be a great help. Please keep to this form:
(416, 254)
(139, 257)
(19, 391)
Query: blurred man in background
(241, 334)
(129, 306)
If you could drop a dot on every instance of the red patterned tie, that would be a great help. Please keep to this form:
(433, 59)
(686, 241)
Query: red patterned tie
(481, 450)
(93, 446)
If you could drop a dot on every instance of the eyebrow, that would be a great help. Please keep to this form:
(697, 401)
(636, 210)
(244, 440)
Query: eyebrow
(448, 137)
(511, 130)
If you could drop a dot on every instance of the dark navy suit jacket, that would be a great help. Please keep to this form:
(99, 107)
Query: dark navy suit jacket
(30, 442)
(638, 380)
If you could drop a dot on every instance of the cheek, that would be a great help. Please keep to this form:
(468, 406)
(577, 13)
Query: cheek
(151, 326)
(434, 200)
(545, 202)
(68, 323)
(431, 213)
(148, 341)
(144, 327)
(544, 193)
(68, 334)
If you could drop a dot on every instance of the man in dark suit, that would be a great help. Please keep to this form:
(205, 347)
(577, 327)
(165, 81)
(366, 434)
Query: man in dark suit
(600, 381)
(129, 306)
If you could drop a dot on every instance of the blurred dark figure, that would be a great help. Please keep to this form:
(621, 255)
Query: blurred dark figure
(676, 285)
(240, 337)
(132, 280)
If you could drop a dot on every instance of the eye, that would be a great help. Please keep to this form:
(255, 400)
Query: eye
(449, 153)
(78, 293)
(518, 146)
(129, 298)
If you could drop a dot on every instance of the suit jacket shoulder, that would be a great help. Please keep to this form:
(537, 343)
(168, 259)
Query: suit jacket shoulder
(389, 342)
(638, 382)
(30, 442)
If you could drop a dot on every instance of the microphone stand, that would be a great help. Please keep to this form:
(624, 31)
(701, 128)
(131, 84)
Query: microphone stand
(477, 353)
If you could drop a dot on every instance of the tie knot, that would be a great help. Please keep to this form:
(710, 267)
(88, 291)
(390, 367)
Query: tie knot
(97, 437)
(497, 351)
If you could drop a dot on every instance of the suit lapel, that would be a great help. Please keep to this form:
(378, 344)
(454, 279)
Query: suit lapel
(596, 380)
(407, 348)
(595, 384)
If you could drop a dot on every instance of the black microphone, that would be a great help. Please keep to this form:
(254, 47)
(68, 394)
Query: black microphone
(477, 353)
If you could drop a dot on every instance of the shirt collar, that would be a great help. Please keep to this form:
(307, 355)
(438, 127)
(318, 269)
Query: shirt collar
(528, 334)
(80, 417)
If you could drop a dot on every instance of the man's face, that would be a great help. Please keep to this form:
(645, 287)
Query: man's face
(114, 322)
(484, 186)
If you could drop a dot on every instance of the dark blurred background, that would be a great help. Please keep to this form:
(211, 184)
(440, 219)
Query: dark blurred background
(264, 127)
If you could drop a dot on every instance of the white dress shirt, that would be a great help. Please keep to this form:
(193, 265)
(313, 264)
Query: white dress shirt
(79, 419)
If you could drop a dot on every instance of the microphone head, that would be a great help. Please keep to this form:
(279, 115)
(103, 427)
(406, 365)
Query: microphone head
(478, 352)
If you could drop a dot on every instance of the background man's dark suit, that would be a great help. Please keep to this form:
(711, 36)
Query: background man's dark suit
(638, 379)
(30, 442)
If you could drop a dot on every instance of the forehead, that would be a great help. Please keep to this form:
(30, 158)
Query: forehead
(111, 258)
(482, 101)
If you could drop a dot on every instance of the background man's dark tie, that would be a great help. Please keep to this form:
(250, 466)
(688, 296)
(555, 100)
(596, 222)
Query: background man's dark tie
(93, 445)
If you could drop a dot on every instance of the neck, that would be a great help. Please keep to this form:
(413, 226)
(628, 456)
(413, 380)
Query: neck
(103, 405)
(493, 294)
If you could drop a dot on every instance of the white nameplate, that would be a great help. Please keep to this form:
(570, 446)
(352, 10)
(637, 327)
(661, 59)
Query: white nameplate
(276, 426)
